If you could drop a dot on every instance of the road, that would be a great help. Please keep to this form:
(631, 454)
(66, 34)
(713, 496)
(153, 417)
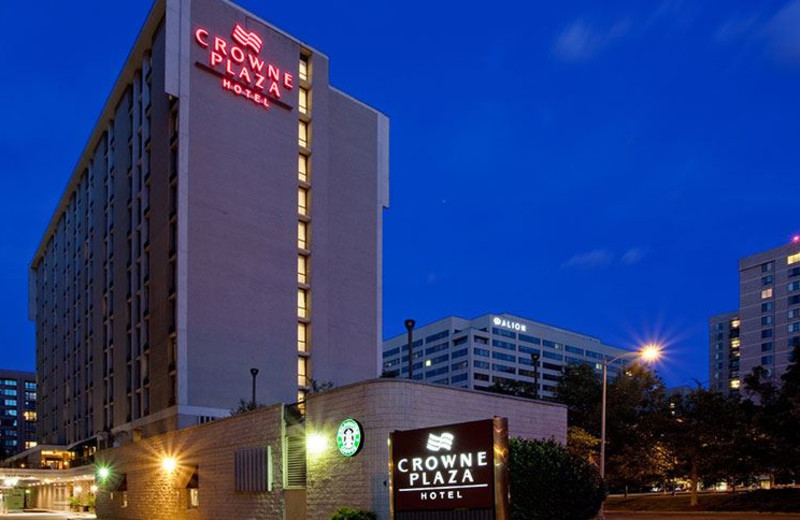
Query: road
(699, 516)
(42, 516)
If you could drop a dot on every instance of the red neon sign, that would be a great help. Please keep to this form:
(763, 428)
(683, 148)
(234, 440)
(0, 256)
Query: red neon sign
(243, 72)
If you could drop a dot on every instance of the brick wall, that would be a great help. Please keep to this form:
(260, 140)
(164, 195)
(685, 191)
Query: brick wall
(385, 405)
(153, 494)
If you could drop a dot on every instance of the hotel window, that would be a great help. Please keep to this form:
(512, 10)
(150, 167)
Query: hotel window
(302, 201)
(766, 333)
(194, 498)
(766, 320)
(794, 313)
(302, 235)
(794, 286)
(735, 384)
(302, 371)
(767, 307)
(302, 269)
(765, 268)
(766, 347)
(767, 360)
(736, 343)
(766, 280)
(302, 168)
(766, 293)
(302, 138)
(303, 101)
(793, 259)
(794, 327)
(304, 68)
(302, 303)
(302, 337)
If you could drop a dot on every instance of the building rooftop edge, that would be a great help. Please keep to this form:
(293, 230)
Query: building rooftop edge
(539, 323)
(394, 380)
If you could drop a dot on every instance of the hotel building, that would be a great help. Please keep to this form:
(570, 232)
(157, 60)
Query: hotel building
(768, 316)
(17, 412)
(225, 214)
(495, 348)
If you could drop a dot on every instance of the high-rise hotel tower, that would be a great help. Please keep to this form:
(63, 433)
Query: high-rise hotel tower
(225, 214)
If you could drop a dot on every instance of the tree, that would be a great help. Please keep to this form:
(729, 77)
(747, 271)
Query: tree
(515, 388)
(550, 483)
(583, 444)
(245, 406)
(581, 390)
(703, 438)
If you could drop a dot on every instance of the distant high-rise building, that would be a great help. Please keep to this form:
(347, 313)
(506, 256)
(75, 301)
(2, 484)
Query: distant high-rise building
(768, 319)
(225, 214)
(17, 411)
(725, 353)
(495, 348)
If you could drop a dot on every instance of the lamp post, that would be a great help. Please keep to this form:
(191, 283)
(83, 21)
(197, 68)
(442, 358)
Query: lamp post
(648, 353)
(409, 323)
(254, 373)
(535, 359)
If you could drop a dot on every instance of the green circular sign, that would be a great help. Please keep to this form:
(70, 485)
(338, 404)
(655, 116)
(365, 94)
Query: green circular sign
(349, 437)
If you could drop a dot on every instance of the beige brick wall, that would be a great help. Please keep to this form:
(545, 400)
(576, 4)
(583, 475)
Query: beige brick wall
(382, 406)
(155, 495)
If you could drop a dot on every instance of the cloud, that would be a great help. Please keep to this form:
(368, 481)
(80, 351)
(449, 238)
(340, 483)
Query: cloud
(592, 260)
(632, 256)
(782, 31)
(580, 40)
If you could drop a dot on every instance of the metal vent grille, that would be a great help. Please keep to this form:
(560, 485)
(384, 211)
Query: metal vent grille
(252, 469)
(296, 461)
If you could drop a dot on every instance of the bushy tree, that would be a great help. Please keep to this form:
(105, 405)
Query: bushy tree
(550, 483)
(351, 513)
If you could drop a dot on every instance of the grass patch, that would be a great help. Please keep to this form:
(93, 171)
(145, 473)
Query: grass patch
(763, 500)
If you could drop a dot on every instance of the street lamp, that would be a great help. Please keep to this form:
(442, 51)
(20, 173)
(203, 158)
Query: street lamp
(254, 373)
(409, 323)
(535, 360)
(648, 353)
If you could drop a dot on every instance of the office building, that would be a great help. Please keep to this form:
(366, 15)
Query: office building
(225, 214)
(725, 353)
(495, 348)
(768, 315)
(17, 412)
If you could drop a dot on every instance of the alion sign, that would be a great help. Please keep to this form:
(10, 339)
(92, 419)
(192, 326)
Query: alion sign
(457, 466)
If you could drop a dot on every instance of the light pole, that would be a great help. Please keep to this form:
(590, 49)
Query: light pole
(535, 360)
(254, 373)
(409, 323)
(648, 353)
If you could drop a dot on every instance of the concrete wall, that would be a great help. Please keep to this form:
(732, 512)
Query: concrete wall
(153, 494)
(385, 405)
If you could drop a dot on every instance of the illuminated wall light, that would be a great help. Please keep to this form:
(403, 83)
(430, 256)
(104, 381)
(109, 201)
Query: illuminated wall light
(78, 489)
(168, 464)
(316, 444)
(103, 473)
(93, 489)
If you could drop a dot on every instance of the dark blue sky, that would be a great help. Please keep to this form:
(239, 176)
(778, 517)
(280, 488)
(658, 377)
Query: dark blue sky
(596, 166)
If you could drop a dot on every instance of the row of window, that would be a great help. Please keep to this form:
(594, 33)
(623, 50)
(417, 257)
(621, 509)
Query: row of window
(304, 230)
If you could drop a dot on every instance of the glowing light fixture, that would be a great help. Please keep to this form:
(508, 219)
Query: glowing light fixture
(168, 464)
(650, 353)
(796, 239)
(103, 473)
(316, 444)
(78, 489)
(93, 489)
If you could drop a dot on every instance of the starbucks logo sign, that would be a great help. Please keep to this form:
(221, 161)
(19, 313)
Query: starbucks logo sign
(349, 437)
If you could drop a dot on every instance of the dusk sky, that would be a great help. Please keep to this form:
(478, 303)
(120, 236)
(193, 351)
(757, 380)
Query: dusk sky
(598, 166)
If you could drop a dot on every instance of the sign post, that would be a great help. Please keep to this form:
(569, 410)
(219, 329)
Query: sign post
(450, 472)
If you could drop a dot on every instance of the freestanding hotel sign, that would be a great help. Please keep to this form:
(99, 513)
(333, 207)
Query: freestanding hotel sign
(450, 472)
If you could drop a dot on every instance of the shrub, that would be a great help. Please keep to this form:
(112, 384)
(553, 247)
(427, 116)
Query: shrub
(350, 513)
(550, 483)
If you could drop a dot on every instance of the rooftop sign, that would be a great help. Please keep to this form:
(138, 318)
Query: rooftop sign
(238, 62)
(457, 466)
(509, 324)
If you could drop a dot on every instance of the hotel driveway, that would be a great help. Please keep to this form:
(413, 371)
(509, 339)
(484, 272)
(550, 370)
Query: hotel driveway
(699, 516)
(45, 516)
